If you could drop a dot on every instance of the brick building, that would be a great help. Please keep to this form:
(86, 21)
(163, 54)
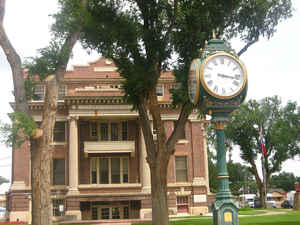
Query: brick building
(99, 170)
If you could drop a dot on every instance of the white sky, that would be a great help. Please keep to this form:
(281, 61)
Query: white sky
(272, 65)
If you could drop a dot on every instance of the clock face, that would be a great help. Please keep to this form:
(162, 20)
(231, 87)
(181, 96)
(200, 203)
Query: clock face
(223, 76)
(194, 81)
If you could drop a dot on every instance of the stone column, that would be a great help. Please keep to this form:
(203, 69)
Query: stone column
(73, 207)
(73, 156)
(145, 170)
(146, 209)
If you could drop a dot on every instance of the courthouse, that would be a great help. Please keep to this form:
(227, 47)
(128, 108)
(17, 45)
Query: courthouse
(99, 169)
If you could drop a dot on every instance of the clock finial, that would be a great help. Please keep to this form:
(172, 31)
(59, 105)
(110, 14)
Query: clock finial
(214, 35)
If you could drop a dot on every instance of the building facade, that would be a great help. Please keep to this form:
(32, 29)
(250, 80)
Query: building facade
(99, 168)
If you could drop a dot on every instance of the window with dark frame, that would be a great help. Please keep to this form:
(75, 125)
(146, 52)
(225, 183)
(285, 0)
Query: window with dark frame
(61, 92)
(114, 132)
(58, 206)
(58, 173)
(124, 131)
(94, 130)
(104, 131)
(39, 93)
(160, 90)
(106, 170)
(181, 168)
(59, 132)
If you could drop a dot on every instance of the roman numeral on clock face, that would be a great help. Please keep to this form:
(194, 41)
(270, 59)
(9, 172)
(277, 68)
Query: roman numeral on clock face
(216, 89)
(236, 83)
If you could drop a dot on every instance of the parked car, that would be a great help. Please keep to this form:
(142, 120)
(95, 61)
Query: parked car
(257, 202)
(271, 201)
(287, 204)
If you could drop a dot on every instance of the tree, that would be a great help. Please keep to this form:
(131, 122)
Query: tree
(52, 60)
(280, 127)
(240, 178)
(3, 180)
(142, 38)
(283, 180)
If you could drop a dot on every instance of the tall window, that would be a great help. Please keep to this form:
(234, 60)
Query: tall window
(124, 130)
(39, 93)
(59, 134)
(104, 170)
(109, 131)
(58, 207)
(104, 131)
(114, 132)
(94, 130)
(61, 92)
(160, 90)
(94, 170)
(181, 168)
(109, 170)
(58, 173)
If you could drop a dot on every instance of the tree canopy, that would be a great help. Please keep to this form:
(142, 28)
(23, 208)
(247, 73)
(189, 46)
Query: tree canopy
(146, 37)
(3, 180)
(280, 127)
(285, 181)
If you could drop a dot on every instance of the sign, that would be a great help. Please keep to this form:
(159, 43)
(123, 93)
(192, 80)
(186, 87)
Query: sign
(199, 198)
(228, 216)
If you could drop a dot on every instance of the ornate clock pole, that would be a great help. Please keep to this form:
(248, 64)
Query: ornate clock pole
(217, 85)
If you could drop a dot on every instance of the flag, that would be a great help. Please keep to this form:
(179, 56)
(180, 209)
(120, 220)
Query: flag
(262, 142)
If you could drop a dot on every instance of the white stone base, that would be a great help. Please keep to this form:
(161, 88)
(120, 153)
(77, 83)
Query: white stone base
(146, 189)
(19, 185)
(74, 213)
(20, 216)
(145, 213)
(201, 210)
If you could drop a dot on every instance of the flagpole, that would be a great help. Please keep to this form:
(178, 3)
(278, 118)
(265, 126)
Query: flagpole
(264, 179)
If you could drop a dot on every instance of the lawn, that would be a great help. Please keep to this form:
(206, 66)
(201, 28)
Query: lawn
(290, 218)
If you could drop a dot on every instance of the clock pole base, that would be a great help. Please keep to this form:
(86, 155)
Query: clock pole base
(225, 213)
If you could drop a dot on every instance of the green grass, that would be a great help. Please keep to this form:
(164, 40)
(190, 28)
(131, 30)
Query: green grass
(289, 218)
(252, 212)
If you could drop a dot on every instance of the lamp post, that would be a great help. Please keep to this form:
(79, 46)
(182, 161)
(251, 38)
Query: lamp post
(217, 84)
(225, 210)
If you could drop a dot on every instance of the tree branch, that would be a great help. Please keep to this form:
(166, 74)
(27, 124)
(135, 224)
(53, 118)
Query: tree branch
(184, 114)
(67, 48)
(2, 11)
(145, 122)
(244, 49)
(15, 64)
(174, 17)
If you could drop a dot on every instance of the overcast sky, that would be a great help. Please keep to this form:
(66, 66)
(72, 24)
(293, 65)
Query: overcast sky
(273, 65)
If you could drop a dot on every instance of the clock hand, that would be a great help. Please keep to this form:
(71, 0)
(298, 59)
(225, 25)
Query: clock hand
(225, 76)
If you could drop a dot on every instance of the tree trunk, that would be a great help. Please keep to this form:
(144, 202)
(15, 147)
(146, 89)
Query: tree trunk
(262, 196)
(259, 183)
(15, 63)
(160, 215)
(41, 159)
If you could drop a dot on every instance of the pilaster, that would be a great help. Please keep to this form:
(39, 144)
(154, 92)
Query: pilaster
(145, 170)
(73, 155)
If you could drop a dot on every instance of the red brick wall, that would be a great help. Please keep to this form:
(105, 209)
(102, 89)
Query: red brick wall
(21, 163)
